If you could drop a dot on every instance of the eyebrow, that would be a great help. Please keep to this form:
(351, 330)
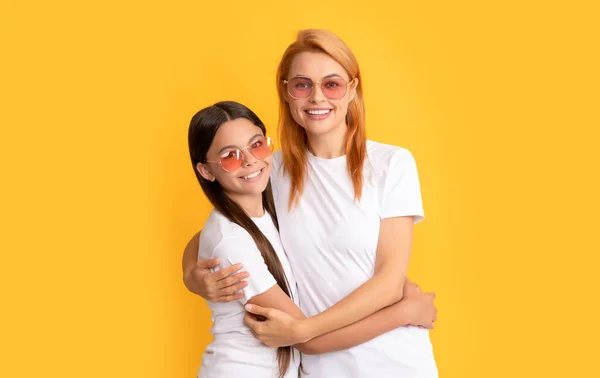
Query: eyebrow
(324, 77)
(232, 146)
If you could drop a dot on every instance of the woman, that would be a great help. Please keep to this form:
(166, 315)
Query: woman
(232, 160)
(346, 209)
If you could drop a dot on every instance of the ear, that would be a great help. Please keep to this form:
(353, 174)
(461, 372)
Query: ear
(353, 88)
(205, 172)
(285, 93)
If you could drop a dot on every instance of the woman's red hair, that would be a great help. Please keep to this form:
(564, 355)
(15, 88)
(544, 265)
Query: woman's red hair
(293, 137)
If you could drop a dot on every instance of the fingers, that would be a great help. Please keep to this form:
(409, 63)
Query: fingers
(231, 289)
(257, 310)
(433, 320)
(411, 289)
(253, 324)
(429, 316)
(228, 281)
(250, 321)
(226, 272)
(431, 296)
(225, 289)
(428, 325)
(209, 278)
(229, 298)
(211, 282)
(260, 338)
(230, 293)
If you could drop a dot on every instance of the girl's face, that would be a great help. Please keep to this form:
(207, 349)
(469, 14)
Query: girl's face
(322, 111)
(235, 138)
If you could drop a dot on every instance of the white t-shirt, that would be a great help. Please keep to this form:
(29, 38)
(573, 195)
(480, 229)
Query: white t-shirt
(331, 242)
(234, 352)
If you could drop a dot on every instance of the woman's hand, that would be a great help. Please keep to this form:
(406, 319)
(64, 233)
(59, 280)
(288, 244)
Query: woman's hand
(277, 329)
(220, 286)
(418, 305)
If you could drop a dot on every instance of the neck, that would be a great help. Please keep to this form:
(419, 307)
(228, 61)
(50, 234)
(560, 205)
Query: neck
(251, 204)
(329, 145)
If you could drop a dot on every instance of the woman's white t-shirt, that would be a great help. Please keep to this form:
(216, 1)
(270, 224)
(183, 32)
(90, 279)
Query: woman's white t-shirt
(331, 242)
(234, 352)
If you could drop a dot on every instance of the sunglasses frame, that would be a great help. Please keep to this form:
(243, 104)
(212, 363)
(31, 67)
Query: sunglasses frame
(241, 153)
(286, 81)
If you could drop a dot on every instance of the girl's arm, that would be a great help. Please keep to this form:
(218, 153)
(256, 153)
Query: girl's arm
(262, 291)
(400, 207)
(415, 309)
(383, 289)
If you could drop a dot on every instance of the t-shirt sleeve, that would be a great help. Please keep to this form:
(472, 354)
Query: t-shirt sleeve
(402, 190)
(233, 250)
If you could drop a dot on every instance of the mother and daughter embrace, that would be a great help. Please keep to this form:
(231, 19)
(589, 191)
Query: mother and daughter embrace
(303, 260)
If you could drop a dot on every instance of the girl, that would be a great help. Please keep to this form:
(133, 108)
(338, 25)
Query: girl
(346, 209)
(232, 160)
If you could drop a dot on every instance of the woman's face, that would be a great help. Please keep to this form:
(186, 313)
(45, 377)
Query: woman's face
(252, 176)
(317, 113)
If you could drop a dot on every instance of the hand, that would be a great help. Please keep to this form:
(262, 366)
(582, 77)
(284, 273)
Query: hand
(220, 286)
(278, 329)
(418, 305)
(410, 288)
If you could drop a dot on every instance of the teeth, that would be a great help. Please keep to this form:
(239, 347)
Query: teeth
(318, 112)
(252, 175)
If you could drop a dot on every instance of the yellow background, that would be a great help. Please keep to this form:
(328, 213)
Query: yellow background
(498, 101)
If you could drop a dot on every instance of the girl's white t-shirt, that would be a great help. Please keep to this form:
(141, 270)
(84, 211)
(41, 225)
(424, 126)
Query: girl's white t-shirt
(331, 242)
(234, 352)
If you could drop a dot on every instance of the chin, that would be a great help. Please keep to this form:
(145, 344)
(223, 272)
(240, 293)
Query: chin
(260, 187)
(319, 129)
(257, 187)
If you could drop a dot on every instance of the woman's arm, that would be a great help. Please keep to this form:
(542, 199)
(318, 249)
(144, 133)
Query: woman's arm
(416, 309)
(383, 289)
(220, 286)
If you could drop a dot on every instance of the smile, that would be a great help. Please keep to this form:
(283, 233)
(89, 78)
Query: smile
(253, 175)
(318, 112)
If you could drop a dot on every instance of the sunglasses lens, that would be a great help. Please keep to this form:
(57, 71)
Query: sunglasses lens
(300, 87)
(334, 88)
(262, 147)
(231, 160)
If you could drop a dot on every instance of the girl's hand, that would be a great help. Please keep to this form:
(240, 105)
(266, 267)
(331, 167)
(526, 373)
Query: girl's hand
(277, 329)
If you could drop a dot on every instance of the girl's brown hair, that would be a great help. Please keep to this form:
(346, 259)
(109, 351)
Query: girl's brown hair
(202, 130)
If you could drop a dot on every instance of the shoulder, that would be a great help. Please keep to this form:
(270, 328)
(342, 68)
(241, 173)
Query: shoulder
(233, 245)
(219, 230)
(236, 248)
(277, 172)
(382, 156)
(277, 160)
